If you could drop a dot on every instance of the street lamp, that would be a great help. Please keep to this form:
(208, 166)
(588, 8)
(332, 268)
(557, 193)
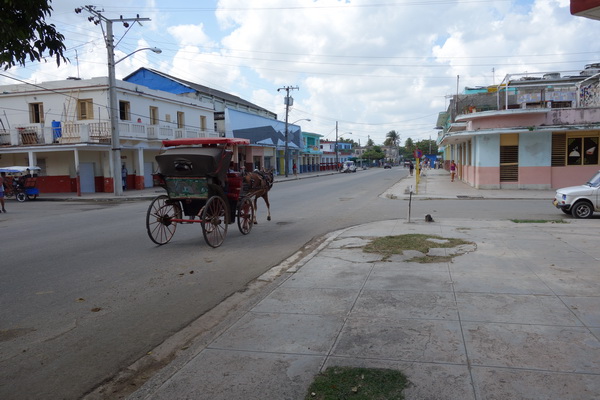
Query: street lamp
(286, 158)
(337, 162)
(114, 119)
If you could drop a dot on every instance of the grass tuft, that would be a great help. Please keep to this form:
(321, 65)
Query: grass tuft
(357, 383)
(389, 245)
(538, 221)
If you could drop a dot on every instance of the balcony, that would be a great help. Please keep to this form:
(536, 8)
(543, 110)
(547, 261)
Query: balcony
(93, 132)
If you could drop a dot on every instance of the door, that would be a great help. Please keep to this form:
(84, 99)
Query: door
(148, 170)
(86, 177)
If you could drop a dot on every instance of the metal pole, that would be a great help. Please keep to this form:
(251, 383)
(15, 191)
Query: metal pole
(337, 163)
(113, 110)
(286, 161)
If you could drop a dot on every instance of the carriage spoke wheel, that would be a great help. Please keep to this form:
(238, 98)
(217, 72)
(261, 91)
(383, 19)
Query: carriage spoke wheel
(214, 221)
(159, 219)
(21, 196)
(245, 215)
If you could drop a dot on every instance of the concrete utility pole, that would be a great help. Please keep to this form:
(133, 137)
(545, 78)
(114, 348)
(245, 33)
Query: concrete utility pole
(113, 111)
(289, 101)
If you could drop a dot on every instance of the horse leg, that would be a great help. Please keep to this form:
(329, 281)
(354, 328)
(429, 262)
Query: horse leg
(254, 205)
(266, 199)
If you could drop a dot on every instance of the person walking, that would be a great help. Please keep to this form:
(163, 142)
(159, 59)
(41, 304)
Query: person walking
(124, 177)
(452, 171)
(411, 167)
(2, 175)
(295, 170)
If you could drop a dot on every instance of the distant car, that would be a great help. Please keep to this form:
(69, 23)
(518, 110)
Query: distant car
(387, 165)
(348, 166)
(580, 201)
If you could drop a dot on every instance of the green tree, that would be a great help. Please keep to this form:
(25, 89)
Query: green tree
(370, 143)
(392, 139)
(427, 146)
(25, 35)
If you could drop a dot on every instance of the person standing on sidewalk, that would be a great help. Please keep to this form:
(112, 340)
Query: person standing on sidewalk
(452, 170)
(411, 168)
(2, 175)
(295, 169)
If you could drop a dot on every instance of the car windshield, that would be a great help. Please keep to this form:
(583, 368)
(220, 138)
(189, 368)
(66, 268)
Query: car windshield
(595, 181)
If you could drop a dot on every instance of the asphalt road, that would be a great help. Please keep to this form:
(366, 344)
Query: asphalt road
(85, 293)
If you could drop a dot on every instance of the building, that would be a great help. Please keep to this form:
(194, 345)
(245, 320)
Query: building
(533, 131)
(63, 127)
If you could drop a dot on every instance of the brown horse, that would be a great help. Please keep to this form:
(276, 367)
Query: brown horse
(257, 184)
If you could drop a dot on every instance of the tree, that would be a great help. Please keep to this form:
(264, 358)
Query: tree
(24, 34)
(427, 146)
(392, 139)
(370, 143)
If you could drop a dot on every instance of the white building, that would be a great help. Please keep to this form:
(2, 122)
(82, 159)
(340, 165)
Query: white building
(63, 127)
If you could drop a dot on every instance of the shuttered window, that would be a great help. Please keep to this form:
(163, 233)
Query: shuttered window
(559, 146)
(509, 163)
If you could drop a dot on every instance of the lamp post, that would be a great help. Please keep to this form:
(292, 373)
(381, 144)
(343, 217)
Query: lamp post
(337, 162)
(97, 18)
(114, 109)
(286, 156)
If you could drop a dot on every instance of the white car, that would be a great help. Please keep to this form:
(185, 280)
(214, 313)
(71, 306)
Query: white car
(580, 201)
(348, 166)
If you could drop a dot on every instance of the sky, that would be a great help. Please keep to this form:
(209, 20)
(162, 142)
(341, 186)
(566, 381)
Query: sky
(369, 66)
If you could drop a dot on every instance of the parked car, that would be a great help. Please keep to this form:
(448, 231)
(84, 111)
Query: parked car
(580, 201)
(348, 166)
(387, 165)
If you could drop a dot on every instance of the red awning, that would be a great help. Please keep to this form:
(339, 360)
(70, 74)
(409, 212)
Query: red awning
(586, 8)
(205, 141)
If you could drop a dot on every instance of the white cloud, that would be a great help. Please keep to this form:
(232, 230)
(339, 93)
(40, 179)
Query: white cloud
(371, 66)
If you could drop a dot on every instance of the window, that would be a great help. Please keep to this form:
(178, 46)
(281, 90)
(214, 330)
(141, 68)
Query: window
(202, 122)
(36, 113)
(575, 150)
(85, 109)
(180, 120)
(153, 115)
(124, 111)
(509, 158)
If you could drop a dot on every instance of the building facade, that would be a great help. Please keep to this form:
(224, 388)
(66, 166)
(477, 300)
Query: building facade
(533, 131)
(63, 127)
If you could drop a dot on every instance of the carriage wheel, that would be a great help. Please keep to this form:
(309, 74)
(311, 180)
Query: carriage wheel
(21, 197)
(32, 196)
(245, 215)
(159, 219)
(214, 221)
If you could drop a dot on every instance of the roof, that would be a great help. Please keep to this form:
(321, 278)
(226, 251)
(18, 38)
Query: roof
(194, 86)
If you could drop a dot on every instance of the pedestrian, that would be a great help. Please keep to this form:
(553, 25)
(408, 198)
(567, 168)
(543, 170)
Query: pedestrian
(295, 169)
(2, 175)
(411, 167)
(452, 170)
(124, 176)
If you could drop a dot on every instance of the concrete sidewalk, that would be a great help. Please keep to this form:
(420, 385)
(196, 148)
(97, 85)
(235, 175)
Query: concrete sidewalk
(517, 316)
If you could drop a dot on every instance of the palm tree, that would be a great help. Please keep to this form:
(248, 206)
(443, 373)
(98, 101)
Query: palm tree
(392, 140)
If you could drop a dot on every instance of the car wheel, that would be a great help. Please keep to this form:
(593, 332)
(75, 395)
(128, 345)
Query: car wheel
(582, 209)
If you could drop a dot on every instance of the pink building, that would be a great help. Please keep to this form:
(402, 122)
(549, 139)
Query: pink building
(529, 132)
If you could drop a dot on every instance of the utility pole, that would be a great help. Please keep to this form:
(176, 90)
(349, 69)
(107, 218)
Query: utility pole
(113, 111)
(337, 162)
(289, 101)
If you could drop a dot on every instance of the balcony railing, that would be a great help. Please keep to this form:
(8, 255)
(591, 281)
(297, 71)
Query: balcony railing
(92, 132)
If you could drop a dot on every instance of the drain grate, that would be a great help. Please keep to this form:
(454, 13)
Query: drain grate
(469, 197)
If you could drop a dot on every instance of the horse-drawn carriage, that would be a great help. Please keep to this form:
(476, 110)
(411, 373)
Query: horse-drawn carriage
(200, 189)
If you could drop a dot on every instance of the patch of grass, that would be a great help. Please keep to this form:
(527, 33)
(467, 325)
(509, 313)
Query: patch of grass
(538, 221)
(357, 383)
(389, 245)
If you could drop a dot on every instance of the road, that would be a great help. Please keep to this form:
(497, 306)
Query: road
(85, 293)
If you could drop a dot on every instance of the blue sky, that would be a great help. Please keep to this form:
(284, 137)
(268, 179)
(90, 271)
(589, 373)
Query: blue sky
(371, 65)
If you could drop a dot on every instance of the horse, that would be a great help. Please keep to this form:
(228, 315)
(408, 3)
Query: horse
(257, 184)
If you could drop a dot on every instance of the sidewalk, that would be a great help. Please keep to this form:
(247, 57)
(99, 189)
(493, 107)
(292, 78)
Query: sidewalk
(435, 183)
(516, 317)
(149, 193)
